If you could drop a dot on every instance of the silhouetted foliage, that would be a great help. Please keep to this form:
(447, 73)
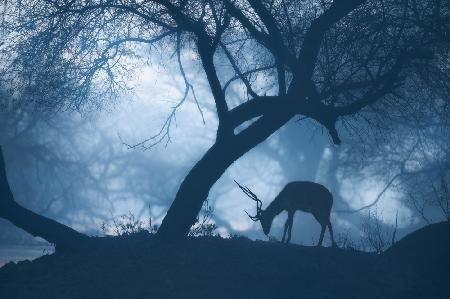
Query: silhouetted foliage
(346, 242)
(203, 225)
(128, 224)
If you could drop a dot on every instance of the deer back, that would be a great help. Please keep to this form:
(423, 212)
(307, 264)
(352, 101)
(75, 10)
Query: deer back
(305, 196)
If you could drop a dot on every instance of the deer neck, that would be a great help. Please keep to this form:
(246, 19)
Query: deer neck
(274, 209)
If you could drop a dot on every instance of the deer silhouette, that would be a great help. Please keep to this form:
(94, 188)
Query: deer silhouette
(308, 197)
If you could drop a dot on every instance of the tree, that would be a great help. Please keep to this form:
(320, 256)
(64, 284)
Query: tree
(339, 63)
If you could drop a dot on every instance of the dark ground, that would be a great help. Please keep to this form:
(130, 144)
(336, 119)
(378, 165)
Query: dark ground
(140, 266)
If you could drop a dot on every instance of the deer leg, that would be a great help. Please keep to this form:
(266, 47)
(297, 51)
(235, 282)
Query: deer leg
(322, 233)
(290, 221)
(331, 234)
(286, 224)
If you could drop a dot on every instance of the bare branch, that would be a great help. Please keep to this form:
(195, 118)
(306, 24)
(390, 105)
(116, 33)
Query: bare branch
(240, 75)
(164, 132)
(384, 84)
(254, 108)
(207, 57)
(244, 74)
(273, 43)
(69, 8)
(313, 39)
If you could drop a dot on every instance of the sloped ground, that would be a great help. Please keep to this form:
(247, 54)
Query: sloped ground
(140, 266)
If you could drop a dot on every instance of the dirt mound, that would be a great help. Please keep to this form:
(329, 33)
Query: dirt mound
(432, 239)
(423, 259)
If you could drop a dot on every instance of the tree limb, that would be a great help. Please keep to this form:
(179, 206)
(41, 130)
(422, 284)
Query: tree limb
(313, 39)
(207, 58)
(254, 108)
(64, 237)
(206, 50)
(384, 84)
(233, 63)
(272, 41)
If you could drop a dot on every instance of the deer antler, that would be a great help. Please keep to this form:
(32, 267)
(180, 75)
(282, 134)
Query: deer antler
(253, 196)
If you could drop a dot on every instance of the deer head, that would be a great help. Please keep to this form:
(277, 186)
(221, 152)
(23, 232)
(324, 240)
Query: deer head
(261, 215)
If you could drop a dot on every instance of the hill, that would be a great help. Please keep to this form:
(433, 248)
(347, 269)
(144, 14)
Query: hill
(140, 266)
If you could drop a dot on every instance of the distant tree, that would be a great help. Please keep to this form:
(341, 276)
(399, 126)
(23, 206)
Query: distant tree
(343, 64)
(410, 158)
(429, 194)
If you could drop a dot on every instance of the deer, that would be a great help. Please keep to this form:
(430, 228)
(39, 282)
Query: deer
(303, 196)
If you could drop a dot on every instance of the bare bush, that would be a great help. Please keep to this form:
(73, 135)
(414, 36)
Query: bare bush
(204, 225)
(377, 236)
(345, 241)
(127, 224)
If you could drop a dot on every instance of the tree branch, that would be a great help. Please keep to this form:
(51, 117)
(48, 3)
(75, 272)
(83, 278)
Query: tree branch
(247, 84)
(272, 41)
(207, 58)
(133, 10)
(244, 74)
(64, 237)
(277, 42)
(386, 83)
(206, 50)
(313, 39)
(254, 108)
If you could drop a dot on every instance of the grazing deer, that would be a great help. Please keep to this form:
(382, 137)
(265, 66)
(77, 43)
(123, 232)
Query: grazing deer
(303, 196)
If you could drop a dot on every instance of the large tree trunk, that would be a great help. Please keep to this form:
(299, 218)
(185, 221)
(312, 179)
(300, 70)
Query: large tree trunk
(195, 188)
(64, 237)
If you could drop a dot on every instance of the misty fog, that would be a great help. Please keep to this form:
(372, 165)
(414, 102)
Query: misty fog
(87, 168)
